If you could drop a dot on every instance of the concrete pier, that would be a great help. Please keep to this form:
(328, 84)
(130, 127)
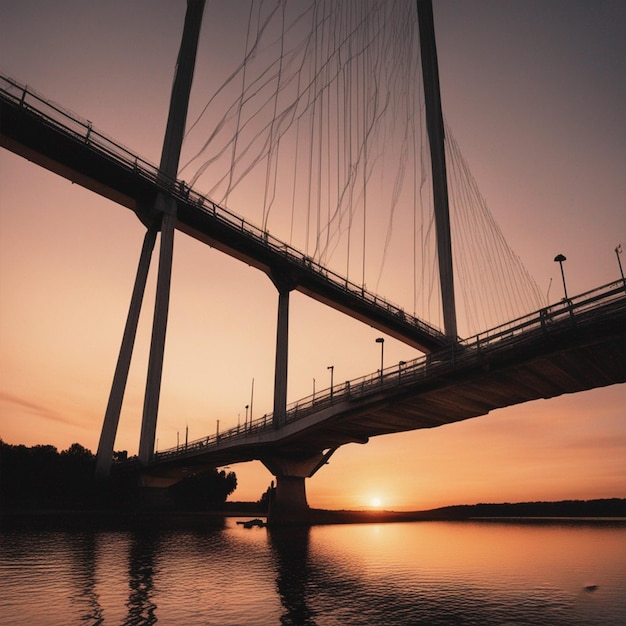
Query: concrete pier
(288, 503)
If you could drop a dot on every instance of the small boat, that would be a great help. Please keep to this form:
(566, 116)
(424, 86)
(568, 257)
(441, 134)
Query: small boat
(252, 522)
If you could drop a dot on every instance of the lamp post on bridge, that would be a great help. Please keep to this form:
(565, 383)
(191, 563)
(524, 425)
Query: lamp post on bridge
(246, 422)
(559, 258)
(313, 399)
(381, 341)
(618, 251)
(401, 364)
(332, 371)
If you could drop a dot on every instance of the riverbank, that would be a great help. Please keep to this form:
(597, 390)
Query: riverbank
(608, 510)
(611, 510)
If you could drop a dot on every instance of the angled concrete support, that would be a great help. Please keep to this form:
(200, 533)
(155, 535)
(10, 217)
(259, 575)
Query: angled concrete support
(120, 378)
(166, 206)
(159, 327)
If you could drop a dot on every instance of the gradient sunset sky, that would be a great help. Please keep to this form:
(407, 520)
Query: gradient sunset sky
(534, 91)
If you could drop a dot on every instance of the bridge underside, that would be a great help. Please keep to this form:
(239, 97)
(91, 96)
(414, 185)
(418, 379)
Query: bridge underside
(589, 352)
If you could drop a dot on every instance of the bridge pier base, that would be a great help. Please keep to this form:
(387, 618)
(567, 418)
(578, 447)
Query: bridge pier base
(288, 504)
(153, 492)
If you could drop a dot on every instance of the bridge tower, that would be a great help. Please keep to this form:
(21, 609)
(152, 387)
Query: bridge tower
(434, 123)
(165, 221)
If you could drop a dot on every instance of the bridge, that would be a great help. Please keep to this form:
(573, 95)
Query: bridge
(575, 345)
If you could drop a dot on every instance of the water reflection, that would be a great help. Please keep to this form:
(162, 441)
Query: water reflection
(141, 572)
(83, 548)
(430, 573)
(290, 548)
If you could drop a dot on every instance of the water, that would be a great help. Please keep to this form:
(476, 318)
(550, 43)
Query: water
(405, 573)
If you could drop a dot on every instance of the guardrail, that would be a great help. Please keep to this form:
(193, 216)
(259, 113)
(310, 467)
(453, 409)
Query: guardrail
(83, 131)
(474, 349)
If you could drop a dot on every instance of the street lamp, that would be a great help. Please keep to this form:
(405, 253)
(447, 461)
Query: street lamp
(618, 251)
(246, 424)
(381, 341)
(559, 258)
(332, 371)
(401, 364)
(314, 390)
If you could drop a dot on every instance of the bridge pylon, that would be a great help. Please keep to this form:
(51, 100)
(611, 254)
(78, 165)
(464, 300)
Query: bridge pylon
(165, 208)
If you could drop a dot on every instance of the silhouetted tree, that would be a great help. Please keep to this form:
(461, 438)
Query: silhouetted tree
(40, 477)
(77, 467)
(205, 491)
(264, 500)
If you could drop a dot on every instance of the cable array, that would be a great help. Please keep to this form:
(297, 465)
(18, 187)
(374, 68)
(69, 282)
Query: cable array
(317, 133)
(493, 284)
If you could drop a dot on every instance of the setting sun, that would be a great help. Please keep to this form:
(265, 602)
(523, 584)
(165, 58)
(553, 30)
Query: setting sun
(376, 502)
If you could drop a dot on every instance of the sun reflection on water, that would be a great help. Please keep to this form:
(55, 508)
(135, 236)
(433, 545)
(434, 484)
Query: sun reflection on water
(428, 572)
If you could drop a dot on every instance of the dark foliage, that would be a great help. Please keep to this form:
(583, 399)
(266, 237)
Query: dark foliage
(203, 492)
(41, 477)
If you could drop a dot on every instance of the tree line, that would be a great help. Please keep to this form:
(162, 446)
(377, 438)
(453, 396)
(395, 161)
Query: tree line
(42, 478)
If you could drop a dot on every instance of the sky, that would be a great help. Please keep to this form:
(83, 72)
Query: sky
(534, 92)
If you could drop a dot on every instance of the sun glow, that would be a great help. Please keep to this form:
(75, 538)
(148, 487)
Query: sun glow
(376, 502)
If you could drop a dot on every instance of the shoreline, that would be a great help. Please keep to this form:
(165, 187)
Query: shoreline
(606, 511)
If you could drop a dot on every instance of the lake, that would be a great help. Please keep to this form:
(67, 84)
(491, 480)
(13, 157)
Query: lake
(198, 571)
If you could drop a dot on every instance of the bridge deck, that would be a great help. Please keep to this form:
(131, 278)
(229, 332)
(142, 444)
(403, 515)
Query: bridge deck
(576, 345)
(62, 143)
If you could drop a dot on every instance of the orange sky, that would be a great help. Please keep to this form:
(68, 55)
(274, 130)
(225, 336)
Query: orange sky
(535, 96)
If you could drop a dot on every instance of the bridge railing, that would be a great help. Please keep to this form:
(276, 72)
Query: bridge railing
(467, 352)
(83, 131)
(567, 309)
(70, 123)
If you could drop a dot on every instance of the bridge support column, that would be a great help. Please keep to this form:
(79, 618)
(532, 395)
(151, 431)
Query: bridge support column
(120, 378)
(282, 358)
(288, 503)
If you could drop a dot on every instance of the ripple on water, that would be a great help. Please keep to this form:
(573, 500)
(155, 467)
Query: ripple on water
(359, 574)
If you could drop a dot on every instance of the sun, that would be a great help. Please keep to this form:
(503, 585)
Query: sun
(376, 502)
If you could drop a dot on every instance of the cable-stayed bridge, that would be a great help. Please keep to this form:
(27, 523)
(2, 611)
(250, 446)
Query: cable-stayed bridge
(574, 346)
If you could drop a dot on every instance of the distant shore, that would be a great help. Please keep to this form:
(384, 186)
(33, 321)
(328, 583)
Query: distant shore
(611, 510)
